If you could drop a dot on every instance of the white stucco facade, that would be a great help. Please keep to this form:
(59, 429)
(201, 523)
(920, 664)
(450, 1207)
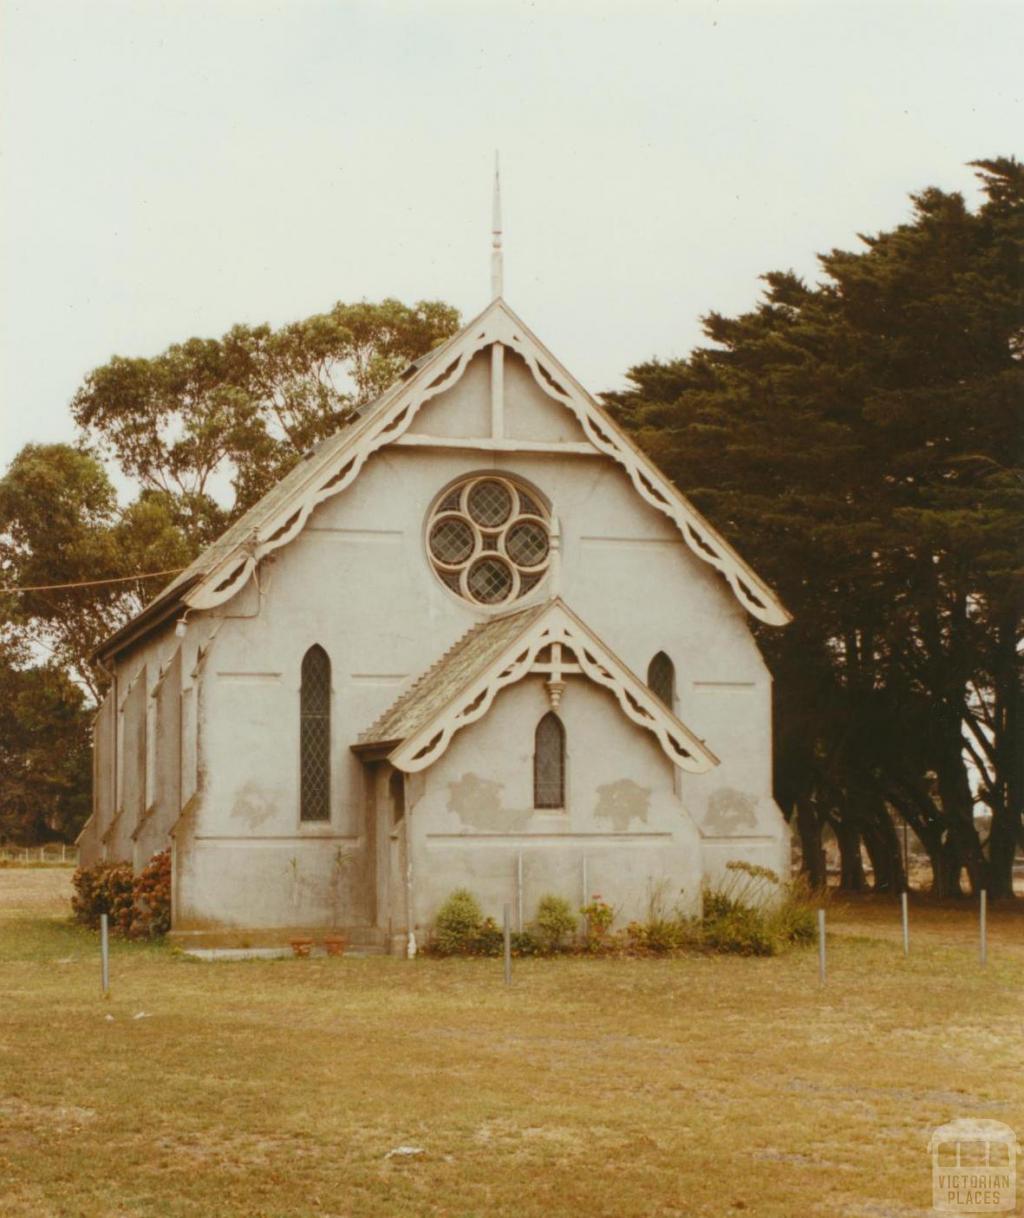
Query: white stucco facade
(198, 744)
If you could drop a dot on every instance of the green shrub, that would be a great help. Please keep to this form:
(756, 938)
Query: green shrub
(751, 913)
(598, 916)
(743, 932)
(106, 888)
(525, 943)
(489, 939)
(658, 936)
(458, 924)
(555, 920)
(796, 916)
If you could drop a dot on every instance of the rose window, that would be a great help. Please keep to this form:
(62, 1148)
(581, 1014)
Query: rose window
(489, 539)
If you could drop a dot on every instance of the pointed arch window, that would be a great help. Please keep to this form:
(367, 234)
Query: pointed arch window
(315, 736)
(549, 763)
(661, 679)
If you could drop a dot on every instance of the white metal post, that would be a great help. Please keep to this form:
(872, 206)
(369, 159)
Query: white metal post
(906, 922)
(105, 953)
(983, 912)
(821, 946)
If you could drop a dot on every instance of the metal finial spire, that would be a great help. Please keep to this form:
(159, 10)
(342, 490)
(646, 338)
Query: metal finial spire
(497, 261)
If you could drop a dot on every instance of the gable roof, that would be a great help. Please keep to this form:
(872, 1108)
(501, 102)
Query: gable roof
(224, 567)
(462, 685)
(435, 688)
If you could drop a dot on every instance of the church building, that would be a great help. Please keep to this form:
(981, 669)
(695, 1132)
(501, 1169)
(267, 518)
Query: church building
(474, 639)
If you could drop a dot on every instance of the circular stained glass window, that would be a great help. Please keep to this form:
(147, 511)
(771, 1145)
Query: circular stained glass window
(526, 543)
(451, 541)
(490, 580)
(489, 539)
(489, 503)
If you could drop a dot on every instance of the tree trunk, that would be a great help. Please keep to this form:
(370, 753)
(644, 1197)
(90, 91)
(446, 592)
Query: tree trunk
(961, 845)
(883, 847)
(809, 828)
(1007, 800)
(1003, 843)
(947, 864)
(851, 865)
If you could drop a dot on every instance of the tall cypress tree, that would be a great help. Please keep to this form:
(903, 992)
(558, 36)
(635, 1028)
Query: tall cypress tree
(860, 439)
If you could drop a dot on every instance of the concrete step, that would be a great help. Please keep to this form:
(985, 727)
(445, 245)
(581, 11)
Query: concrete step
(272, 953)
(276, 940)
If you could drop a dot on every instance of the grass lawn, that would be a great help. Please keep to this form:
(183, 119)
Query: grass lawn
(694, 1086)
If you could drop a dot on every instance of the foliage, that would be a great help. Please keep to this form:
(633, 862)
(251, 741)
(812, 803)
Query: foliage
(795, 917)
(152, 897)
(598, 917)
(555, 921)
(60, 523)
(137, 906)
(744, 885)
(458, 924)
(245, 407)
(206, 414)
(662, 931)
(45, 753)
(106, 888)
(460, 929)
(860, 441)
(661, 936)
(750, 912)
(743, 932)
(490, 941)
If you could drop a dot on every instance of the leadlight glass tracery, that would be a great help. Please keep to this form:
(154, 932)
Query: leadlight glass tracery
(549, 763)
(489, 539)
(315, 736)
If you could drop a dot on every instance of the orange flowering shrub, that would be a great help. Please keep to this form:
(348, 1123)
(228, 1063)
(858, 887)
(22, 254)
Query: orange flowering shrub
(138, 906)
(107, 889)
(152, 894)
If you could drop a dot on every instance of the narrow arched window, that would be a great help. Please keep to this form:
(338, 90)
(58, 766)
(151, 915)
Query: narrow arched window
(549, 763)
(661, 679)
(315, 736)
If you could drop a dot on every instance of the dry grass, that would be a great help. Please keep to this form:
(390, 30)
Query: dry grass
(699, 1086)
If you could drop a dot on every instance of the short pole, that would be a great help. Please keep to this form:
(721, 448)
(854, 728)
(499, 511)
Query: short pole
(906, 922)
(821, 946)
(983, 913)
(508, 945)
(105, 953)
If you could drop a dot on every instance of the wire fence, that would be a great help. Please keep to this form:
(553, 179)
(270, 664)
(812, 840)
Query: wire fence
(54, 854)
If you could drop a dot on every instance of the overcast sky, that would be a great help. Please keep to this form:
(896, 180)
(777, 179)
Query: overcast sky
(172, 167)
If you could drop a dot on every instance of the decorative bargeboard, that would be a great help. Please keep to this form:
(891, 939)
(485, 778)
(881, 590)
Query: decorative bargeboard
(337, 468)
(558, 645)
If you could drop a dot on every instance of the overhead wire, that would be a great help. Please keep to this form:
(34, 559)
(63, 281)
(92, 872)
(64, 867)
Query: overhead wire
(91, 583)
